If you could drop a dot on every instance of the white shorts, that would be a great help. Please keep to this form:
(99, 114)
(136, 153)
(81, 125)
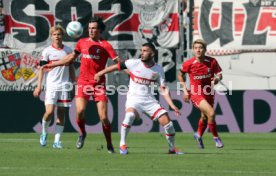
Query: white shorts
(59, 98)
(147, 105)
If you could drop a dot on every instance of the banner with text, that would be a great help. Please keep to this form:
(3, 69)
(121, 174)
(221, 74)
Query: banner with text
(129, 23)
(234, 26)
(242, 111)
(19, 69)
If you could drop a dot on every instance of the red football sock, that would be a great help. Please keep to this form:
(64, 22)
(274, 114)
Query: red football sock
(81, 124)
(213, 129)
(107, 133)
(201, 127)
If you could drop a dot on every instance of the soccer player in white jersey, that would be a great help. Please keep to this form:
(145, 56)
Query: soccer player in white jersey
(144, 73)
(57, 85)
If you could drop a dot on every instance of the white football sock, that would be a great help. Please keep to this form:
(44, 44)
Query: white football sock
(170, 133)
(45, 126)
(58, 130)
(125, 126)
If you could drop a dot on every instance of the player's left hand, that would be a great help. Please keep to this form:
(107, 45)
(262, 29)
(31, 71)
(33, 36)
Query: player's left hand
(97, 77)
(216, 80)
(176, 110)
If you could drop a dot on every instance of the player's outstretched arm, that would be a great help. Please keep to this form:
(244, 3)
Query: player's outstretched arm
(66, 60)
(166, 94)
(117, 59)
(101, 73)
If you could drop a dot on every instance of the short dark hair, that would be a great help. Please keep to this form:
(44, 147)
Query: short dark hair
(100, 22)
(151, 46)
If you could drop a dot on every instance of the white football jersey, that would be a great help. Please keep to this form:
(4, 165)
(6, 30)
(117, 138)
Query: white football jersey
(57, 78)
(143, 79)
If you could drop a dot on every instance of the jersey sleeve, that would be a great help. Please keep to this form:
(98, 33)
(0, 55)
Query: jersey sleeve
(185, 67)
(44, 55)
(131, 63)
(78, 47)
(216, 67)
(111, 52)
(67, 49)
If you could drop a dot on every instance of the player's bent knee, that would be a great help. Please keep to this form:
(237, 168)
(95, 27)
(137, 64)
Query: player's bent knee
(49, 113)
(164, 119)
(211, 114)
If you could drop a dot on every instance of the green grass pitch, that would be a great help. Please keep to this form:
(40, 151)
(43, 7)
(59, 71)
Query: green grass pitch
(243, 155)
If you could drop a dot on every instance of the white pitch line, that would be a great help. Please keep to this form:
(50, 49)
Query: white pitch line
(146, 170)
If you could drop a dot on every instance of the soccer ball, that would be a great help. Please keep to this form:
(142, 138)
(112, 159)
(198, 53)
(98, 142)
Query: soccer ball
(74, 29)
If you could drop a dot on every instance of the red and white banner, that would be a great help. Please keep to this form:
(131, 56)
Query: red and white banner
(129, 23)
(18, 70)
(231, 26)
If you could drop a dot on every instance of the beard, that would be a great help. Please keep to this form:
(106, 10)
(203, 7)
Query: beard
(145, 59)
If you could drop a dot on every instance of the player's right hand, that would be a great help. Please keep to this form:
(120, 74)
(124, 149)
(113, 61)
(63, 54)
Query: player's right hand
(36, 92)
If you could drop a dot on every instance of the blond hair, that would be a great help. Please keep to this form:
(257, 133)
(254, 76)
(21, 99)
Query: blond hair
(200, 41)
(57, 28)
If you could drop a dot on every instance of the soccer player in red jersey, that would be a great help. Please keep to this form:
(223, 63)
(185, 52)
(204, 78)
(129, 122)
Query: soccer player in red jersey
(95, 52)
(203, 72)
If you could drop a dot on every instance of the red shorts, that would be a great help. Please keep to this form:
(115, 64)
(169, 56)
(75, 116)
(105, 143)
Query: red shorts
(98, 92)
(196, 99)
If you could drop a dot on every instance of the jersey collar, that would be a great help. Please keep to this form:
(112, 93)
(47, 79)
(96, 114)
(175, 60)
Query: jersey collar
(58, 48)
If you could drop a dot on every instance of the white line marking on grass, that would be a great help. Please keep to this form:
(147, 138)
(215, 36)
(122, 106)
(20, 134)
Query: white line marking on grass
(172, 170)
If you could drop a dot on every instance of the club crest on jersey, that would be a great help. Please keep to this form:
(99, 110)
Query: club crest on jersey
(154, 75)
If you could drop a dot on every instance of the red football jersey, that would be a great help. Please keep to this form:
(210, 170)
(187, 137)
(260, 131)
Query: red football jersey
(201, 73)
(94, 58)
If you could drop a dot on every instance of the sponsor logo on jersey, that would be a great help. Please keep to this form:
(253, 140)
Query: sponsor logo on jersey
(143, 81)
(90, 56)
(154, 75)
(202, 76)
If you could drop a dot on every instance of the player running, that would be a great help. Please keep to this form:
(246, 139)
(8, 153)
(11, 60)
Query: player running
(203, 72)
